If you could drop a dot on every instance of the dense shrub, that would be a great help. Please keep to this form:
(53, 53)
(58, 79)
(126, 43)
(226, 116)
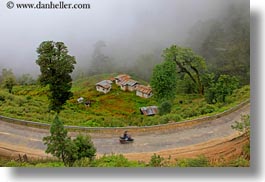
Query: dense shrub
(165, 108)
(158, 161)
(207, 108)
(200, 161)
(115, 161)
(239, 162)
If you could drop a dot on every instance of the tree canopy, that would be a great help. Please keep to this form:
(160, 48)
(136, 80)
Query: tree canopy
(187, 62)
(164, 81)
(60, 145)
(56, 65)
(58, 142)
(8, 79)
(218, 88)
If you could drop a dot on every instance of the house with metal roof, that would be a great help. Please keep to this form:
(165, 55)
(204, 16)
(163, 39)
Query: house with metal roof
(144, 91)
(149, 111)
(104, 86)
(121, 78)
(128, 85)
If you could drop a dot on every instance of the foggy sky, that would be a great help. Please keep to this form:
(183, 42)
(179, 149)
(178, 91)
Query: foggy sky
(129, 28)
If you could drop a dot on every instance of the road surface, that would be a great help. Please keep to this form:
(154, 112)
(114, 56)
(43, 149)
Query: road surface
(22, 139)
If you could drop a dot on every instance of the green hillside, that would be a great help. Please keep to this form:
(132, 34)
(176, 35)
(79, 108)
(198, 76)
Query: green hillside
(116, 108)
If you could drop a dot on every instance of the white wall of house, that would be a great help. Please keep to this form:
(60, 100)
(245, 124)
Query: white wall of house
(138, 93)
(131, 88)
(141, 94)
(101, 89)
(128, 88)
(124, 87)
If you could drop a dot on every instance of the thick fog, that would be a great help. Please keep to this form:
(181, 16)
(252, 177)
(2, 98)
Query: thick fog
(129, 28)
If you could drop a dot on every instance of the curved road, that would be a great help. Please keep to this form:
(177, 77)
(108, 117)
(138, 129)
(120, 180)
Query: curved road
(30, 139)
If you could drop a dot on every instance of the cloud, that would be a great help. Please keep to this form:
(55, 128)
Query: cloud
(130, 28)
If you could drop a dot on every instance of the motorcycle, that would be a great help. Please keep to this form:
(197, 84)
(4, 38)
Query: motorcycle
(126, 140)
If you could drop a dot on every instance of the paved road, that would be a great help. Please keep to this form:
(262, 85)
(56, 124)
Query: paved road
(32, 138)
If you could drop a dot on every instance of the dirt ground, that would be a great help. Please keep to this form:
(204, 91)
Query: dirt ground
(225, 148)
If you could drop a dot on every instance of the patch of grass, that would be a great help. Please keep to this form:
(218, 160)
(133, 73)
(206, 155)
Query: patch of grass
(117, 108)
(200, 161)
(115, 161)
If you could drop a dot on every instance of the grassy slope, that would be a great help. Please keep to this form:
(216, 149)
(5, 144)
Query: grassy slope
(117, 108)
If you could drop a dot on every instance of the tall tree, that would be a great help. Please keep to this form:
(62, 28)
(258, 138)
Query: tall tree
(56, 65)
(164, 81)
(187, 62)
(8, 79)
(58, 143)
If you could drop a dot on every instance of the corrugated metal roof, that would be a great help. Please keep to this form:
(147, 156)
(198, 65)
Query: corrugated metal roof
(144, 89)
(128, 82)
(122, 77)
(105, 83)
(149, 110)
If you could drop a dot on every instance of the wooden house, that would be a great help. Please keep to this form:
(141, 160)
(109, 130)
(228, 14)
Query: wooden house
(128, 85)
(121, 78)
(144, 91)
(104, 86)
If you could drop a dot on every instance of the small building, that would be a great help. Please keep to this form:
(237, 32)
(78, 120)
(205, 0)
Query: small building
(144, 91)
(80, 100)
(88, 103)
(104, 86)
(149, 111)
(128, 85)
(121, 78)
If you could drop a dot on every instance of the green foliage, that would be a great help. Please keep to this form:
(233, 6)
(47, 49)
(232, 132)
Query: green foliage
(187, 63)
(62, 147)
(163, 81)
(85, 147)
(8, 79)
(115, 161)
(156, 161)
(217, 91)
(165, 108)
(49, 164)
(200, 161)
(225, 86)
(31, 163)
(56, 66)
(243, 126)
(30, 103)
(209, 82)
(83, 162)
(239, 162)
(58, 143)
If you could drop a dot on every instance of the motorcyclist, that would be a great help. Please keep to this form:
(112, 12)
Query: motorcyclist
(126, 136)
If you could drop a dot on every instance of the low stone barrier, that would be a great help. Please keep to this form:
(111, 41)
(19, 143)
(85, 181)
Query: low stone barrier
(132, 129)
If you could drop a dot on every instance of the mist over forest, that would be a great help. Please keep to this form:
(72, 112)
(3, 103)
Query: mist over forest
(129, 36)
